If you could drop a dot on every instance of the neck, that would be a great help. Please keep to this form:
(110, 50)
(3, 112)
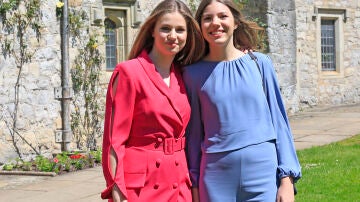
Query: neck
(162, 62)
(223, 53)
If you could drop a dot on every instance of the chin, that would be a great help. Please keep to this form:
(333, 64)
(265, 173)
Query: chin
(175, 51)
(217, 43)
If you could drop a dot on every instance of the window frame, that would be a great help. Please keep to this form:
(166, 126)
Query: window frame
(338, 17)
(330, 44)
(127, 10)
(115, 46)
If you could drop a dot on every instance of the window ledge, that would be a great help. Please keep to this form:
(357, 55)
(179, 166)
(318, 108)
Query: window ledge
(331, 74)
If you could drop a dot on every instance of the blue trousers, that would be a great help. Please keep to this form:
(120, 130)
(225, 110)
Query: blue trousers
(246, 174)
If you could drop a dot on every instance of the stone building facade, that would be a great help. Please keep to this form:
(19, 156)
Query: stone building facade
(314, 45)
(315, 48)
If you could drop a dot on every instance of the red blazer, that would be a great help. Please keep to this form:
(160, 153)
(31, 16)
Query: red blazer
(143, 106)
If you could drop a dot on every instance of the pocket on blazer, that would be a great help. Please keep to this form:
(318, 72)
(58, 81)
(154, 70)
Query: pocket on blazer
(135, 166)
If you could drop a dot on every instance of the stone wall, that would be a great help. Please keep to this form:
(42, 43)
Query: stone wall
(293, 48)
(39, 112)
(313, 88)
(282, 48)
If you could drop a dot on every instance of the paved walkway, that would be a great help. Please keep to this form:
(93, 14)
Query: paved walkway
(310, 128)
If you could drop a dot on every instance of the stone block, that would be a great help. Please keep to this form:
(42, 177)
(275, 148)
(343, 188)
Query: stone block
(34, 69)
(58, 122)
(75, 3)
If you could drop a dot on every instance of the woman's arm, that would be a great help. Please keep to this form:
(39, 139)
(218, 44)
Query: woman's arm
(116, 193)
(194, 131)
(195, 194)
(120, 101)
(286, 190)
(288, 163)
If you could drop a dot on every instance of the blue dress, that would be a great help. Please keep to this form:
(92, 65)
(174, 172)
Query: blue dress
(231, 110)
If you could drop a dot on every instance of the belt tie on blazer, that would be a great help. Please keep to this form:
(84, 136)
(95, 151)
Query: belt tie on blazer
(168, 145)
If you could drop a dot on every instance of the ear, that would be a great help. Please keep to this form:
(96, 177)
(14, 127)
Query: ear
(152, 30)
(236, 26)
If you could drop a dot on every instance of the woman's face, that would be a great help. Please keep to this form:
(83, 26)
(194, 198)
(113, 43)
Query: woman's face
(217, 24)
(170, 34)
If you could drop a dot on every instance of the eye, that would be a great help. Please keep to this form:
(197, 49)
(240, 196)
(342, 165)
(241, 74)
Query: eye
(206, 18)
(165, 29)
(180, 30)
(223, 16)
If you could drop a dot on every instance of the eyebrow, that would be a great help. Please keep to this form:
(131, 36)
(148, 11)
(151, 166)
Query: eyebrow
(221, 12)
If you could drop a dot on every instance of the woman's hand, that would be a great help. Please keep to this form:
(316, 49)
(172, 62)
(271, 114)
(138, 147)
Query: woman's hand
(195, 195)
(286, 190)
(117, 195)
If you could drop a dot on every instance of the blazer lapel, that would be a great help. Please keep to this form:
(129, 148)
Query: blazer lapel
(150, 70)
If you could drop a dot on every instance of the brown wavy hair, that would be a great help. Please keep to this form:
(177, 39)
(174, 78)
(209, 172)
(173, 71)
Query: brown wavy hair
(247, 34)
(195, 44)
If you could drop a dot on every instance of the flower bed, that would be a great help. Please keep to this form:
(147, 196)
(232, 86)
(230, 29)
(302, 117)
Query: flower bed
(61, 163)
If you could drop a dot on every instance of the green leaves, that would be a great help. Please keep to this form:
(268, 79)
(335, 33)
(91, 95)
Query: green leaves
(62, 162)
(8, 6)
(18, 19)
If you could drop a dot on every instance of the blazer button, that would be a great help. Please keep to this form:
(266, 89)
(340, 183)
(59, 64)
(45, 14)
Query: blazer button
(158, 162)
(175, 185)
(177, 162)
(159, 139)
(156, 186)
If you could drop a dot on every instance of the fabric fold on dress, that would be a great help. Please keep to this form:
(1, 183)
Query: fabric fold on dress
(235, 112)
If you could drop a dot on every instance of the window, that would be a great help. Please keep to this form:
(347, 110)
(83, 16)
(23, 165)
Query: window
(116, 37)
(121, 20)
(110, 35)
(328, 48)
(330, 41)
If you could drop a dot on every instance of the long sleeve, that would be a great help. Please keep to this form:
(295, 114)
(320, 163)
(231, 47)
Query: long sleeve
(194, 133)
(118, 120)
(288, 163)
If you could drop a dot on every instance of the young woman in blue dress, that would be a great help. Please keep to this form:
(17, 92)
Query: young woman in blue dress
(240, 146)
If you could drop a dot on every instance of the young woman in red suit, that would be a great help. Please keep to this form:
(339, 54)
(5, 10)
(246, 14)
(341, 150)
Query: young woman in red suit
(147, 111)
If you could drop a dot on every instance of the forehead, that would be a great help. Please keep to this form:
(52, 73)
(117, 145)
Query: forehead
(173, 18)
(216, 7)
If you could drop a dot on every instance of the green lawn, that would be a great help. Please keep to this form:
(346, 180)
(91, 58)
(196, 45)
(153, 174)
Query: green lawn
(330, 173)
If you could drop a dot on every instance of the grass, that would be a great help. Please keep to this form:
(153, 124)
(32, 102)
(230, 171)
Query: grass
(330, 173)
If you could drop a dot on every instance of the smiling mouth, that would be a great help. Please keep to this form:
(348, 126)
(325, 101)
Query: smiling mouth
(216, 32)
(172, 45)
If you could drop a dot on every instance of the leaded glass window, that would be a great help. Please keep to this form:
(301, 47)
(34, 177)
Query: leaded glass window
(328, 46)
(111, 43)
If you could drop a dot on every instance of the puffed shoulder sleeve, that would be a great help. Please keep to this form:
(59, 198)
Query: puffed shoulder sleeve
(118, 119)
(194, 130)
(288, 163)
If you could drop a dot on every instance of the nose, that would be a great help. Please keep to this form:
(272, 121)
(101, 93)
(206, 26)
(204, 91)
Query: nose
(172, 34)
(215, 21)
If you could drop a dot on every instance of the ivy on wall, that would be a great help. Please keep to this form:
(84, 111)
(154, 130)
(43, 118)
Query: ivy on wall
(85, 74)
(86, 120)
(19, 19)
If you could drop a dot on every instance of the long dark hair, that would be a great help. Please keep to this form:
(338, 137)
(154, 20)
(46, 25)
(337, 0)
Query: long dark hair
(246, 36)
